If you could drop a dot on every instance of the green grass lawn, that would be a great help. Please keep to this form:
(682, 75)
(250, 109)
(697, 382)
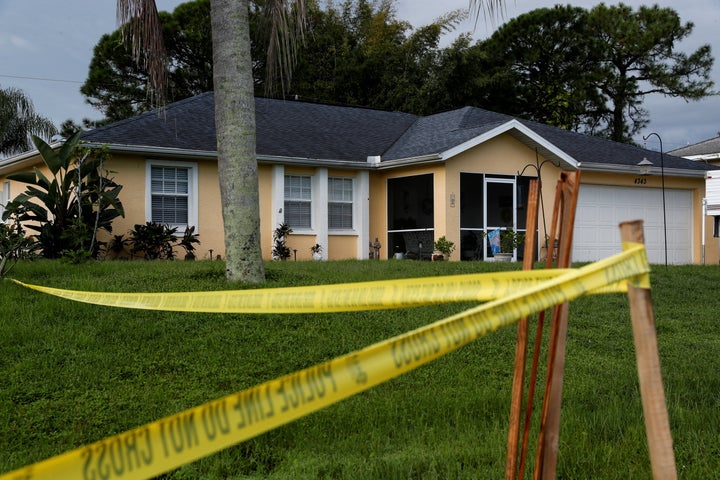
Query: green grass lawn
(71, 374)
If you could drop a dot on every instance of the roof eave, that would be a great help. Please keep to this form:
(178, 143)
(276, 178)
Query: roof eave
(410, 161)
(212, 155)
(634, 170)
(313, 162)
(21, 160)
(704, 157)
(156, 151)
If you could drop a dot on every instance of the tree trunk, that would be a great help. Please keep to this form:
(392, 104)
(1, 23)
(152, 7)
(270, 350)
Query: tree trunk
(235, 126)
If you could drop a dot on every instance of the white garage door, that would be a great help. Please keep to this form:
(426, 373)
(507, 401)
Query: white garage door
(601, 208)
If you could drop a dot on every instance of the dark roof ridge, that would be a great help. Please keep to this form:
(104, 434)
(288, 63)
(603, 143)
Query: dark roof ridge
(333, 105)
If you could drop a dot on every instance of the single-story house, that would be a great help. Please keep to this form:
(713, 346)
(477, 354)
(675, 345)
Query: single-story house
(707, 151)
(347, 177)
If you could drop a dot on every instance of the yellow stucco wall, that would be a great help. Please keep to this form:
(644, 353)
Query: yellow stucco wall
(130, 173)
(265, 192)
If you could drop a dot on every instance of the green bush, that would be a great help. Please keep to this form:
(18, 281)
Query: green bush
(66, 209)
(154, 240)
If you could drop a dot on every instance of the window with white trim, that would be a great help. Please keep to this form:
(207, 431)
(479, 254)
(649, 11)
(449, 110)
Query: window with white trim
(172, 194)
(340, 203)
(298, 201)
(4, 197)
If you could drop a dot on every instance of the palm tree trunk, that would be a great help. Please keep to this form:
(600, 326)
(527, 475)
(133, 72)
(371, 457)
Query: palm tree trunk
(235, 126)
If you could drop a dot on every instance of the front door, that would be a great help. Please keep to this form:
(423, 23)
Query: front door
(500, 206)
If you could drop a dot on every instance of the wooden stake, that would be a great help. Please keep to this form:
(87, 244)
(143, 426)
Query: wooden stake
(546, 458)
(657, 425)
(522, 338)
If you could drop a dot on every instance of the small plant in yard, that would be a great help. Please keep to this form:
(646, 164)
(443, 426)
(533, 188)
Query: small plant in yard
(280, 249)
(155, 240)
(187, 242)
(14, 245)
(444, 246)
(117, 244)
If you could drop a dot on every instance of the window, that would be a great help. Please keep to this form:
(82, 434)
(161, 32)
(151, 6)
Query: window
(173, 199)
(410, 202)
(340, 203)
(298, 201)
(4, 197)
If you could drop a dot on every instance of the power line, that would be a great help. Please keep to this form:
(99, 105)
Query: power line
(20, 77)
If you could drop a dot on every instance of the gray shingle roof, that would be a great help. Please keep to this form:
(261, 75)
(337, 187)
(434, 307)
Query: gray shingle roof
(284, 128)
(706, 147)
(288, 128)
(440, 132)
(591, 149)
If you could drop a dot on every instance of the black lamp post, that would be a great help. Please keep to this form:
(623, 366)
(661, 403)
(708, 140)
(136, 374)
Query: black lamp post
(662, 176)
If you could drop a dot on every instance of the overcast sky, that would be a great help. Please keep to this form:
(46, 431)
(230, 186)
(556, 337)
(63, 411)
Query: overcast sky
(46, 47)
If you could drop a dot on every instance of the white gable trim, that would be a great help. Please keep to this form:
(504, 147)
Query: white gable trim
(523, 134)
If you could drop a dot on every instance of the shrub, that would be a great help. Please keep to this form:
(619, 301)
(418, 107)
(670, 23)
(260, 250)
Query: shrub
(155, 240)
(280, 249)
(69, 206)
(187, 242)
(14, 245)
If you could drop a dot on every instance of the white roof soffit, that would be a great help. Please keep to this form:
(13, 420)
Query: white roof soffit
(707, 157)
(21, 160)
(524, 135)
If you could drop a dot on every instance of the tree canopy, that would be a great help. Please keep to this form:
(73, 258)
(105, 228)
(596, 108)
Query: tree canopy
(118, 86)
(582, 70)
(591, 70)
(357, 53)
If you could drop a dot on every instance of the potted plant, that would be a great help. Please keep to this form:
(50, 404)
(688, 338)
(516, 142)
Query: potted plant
(316, 251)
(445, 247)
(509, 241)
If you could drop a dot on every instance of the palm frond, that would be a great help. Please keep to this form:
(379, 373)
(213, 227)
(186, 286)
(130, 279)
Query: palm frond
(490, 9)
(141, 26)
(286, 23)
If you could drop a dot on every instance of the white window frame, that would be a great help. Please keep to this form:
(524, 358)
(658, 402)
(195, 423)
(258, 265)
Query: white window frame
(192, 192)
(309, 201)
(4, 198)
(350, 202)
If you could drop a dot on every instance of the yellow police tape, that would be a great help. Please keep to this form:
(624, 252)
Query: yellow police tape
(173, 441)
(400, 293)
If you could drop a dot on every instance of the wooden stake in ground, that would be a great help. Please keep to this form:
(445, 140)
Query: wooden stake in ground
(657, 424)
(546, 458)
(521, 345)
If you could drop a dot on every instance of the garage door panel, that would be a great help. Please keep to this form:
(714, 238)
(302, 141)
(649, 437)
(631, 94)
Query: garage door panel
(602, 207)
